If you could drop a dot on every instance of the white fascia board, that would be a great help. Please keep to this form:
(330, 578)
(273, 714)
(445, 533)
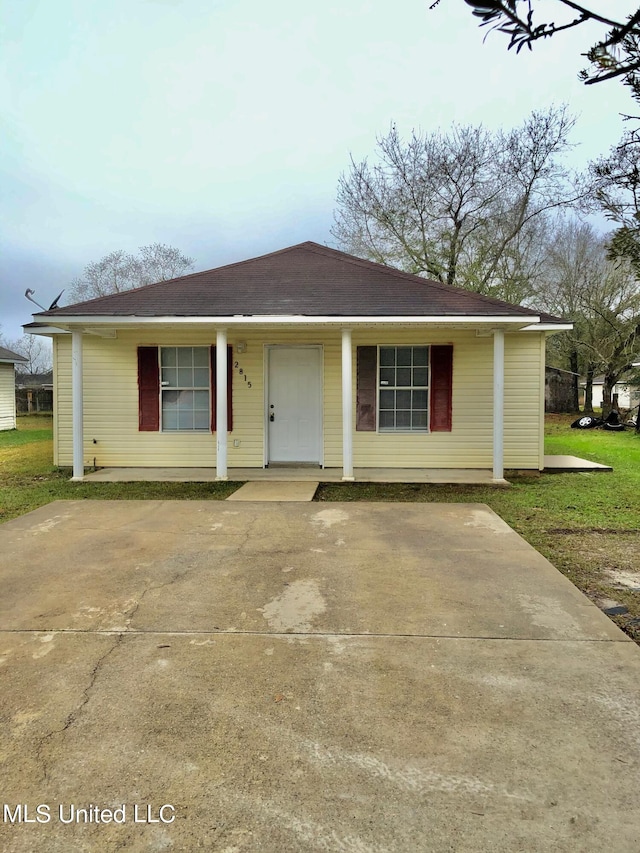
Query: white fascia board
(46, 330)
(549, 327)
(294, 319)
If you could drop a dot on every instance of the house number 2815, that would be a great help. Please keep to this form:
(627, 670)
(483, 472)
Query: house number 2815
(236, 365)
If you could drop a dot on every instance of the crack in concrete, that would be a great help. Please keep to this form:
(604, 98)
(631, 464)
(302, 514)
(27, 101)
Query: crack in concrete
(151, 587)
(73, 715)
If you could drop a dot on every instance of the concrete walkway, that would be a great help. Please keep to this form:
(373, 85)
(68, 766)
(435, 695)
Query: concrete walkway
(370, 678)
(275, 491)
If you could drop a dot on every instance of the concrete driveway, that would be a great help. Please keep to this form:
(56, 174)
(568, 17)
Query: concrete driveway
(359, 678)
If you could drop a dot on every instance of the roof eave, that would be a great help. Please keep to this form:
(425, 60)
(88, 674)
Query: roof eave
(472, 320)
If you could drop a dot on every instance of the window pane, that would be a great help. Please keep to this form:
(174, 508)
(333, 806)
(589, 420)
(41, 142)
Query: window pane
(201, 377)
(386, 420)
(420, 356)
(419, 399)
(170, 375)
(185, 377)
(201, 400)
(169, 399)
(403, 399)
(185, 356)
(404, 356)
(419, 420)
(387, 376)
(201, 357)
(403, 419)
(387, 356)
(169, 419)
(168, 356)
(403, 376)
(387, 399)
(421, 376)
(201, 419)
(185, 400)
(185, 419)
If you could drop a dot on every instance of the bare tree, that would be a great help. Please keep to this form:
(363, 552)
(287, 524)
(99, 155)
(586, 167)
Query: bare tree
(35, 349)
(602, 298)
(119, 271)
(615, 55)
(464, 207)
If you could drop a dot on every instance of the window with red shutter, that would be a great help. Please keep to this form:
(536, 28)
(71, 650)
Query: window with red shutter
(366, 388)
(441, 388)
(148, 389)
(404, 388)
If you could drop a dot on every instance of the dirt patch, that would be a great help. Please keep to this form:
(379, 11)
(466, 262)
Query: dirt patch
(605, 564)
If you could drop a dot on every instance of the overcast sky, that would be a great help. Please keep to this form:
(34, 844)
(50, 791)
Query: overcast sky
(221, 127)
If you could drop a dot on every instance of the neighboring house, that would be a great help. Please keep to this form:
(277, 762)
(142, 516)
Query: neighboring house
(628, 393)
(306, 356)
(34, 392)
(8, 361)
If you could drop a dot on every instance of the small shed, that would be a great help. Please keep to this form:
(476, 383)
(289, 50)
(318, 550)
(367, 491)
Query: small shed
(560, 390)
(8, 361)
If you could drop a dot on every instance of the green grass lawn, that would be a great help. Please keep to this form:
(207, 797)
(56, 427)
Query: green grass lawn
(588, 525)
(28, 478)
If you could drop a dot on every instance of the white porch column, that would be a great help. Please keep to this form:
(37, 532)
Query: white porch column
(221, 404)
(76, 405)
(347, 407)
(498, 404)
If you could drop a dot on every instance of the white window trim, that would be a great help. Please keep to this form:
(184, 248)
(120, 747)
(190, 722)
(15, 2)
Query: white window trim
(199, 430)
(394, 431)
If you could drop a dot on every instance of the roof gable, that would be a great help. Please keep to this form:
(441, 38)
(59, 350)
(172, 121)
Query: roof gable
(306, 279)
(7, 356)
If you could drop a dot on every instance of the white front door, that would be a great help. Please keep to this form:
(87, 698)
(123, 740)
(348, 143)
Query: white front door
(294, 404)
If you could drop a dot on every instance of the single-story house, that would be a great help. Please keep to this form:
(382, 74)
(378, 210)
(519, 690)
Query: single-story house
(8, 361)
(305, 356)
(628, 393)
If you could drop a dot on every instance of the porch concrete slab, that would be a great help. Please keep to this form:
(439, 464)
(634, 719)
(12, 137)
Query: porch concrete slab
(465, 476)
(285, 490)
(571, 464)
(379, 678)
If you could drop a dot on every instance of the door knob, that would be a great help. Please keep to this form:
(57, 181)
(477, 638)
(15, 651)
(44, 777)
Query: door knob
(272, 417)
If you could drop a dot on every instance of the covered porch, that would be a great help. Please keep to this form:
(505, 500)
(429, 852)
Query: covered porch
(487, 327)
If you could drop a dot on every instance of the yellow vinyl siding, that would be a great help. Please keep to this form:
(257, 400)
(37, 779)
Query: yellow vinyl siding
(110, 382)
(523, 399)
(7, 397)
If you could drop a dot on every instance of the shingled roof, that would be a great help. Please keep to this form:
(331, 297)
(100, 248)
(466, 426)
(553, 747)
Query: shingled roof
(302, 280)
(9, 357)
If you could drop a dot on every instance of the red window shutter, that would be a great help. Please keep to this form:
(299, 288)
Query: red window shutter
(441, 388)
(148, 389)
(366, 388)
(229, 389)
